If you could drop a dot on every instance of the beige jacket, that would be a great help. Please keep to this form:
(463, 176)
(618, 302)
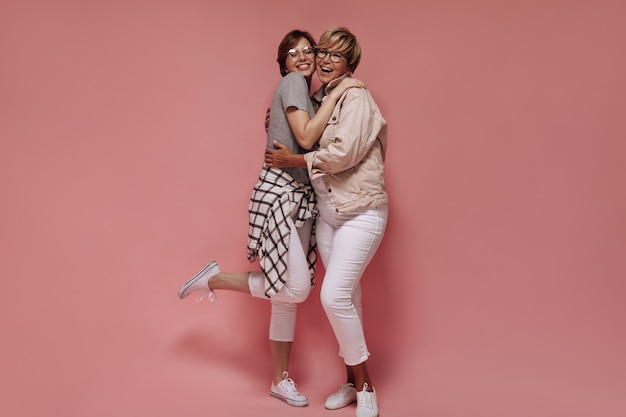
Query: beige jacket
(351, 151)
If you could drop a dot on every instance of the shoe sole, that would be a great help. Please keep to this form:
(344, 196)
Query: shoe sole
(195, 278)
(288, 401)
(342, 405)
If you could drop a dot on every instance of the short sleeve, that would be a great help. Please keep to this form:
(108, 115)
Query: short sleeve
(294, 92)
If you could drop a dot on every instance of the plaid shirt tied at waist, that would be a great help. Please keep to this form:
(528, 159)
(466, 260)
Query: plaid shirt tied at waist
(274, 198)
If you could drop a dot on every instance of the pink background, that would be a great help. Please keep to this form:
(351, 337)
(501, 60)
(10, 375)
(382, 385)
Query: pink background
(131, 135)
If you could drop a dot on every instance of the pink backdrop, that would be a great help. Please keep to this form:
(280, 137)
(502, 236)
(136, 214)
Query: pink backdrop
(131, 134)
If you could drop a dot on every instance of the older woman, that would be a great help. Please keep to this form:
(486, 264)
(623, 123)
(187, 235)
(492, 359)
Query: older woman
(347, 174)
(282, 212)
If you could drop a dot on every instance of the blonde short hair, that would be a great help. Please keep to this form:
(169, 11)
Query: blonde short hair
(340, 39)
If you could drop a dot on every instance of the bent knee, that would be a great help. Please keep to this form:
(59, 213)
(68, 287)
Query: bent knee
(302, 295)
(333, 301)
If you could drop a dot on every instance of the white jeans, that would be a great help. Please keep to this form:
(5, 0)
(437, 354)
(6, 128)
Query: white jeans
(297, 285)
(347, 243)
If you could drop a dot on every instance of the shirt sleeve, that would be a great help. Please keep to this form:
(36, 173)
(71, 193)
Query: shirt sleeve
(295, 92)
(353, 138)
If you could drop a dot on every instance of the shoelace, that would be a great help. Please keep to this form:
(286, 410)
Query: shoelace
(367, 399)
(210, 295)
(290, 385)
(345, 388)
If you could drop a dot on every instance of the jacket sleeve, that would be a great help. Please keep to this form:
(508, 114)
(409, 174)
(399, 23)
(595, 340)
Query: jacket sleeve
(352, 139)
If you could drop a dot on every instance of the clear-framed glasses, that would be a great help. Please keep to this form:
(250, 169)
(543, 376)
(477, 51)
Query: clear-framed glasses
(294, 53)
(334, 56)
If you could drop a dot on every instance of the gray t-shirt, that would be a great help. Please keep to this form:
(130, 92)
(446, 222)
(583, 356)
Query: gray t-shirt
(292, 91)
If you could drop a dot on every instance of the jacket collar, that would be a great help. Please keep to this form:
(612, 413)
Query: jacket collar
(319, 95)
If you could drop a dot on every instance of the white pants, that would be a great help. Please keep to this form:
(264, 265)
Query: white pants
(347, 242)
(297, 285)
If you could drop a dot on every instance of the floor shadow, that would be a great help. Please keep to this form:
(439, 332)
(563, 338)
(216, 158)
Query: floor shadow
(246, 353)
(382, 314)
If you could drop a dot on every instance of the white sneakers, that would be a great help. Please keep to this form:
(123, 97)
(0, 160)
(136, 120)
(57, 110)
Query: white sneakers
(345, 395)
(200, 282)
(366, 405)
(286, 391)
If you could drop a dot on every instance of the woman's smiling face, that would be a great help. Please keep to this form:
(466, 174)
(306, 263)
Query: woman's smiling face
(328, 70)
(303, 60)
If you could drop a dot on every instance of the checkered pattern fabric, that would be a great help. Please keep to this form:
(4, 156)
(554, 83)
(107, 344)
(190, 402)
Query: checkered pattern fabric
(273, 200)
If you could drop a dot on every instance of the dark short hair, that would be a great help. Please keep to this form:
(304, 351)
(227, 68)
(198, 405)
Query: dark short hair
(289, 41)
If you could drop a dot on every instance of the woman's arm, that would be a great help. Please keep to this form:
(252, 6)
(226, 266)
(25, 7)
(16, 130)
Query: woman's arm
(308, 130)
(282, 157)
(359, 127)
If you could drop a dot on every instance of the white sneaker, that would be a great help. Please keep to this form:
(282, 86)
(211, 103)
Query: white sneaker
(286, 391)
(366, 405)
(345, 395)
(200, 282)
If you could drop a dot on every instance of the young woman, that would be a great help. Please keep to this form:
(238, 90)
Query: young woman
(282, 212)
(347, 173)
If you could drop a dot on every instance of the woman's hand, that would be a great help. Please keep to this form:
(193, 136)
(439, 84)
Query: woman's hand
(345, 84)
(278, 158)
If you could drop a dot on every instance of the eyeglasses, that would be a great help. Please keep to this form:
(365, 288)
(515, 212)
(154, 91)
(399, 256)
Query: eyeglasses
(294, 53)
(334, 56)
